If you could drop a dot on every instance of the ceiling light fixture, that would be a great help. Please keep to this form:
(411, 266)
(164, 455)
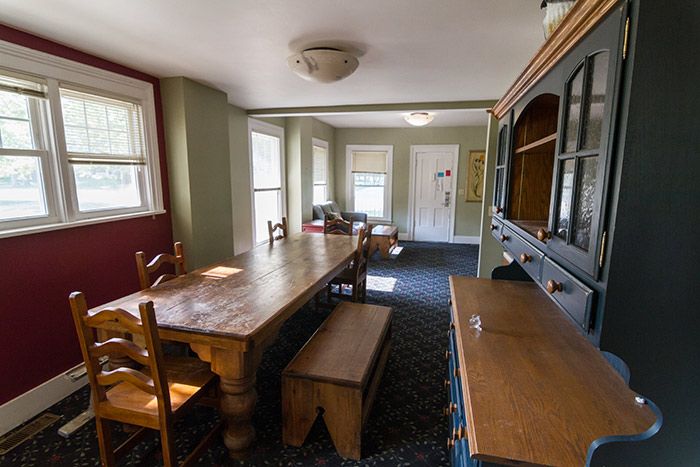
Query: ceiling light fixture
(419, 118)
(323, 64)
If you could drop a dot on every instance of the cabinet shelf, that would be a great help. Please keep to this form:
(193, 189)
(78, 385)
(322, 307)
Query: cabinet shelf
(537, 144)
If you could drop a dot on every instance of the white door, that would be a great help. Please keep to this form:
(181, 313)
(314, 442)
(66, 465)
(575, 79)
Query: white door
(433, 194)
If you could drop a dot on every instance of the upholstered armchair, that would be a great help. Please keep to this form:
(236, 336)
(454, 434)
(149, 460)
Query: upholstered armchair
(323, 210)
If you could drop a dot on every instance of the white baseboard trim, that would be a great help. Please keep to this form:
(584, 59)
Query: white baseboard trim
(466, 239)
(404, 236)
(36, 400)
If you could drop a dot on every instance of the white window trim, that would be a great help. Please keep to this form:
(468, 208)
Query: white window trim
(60, 71)
(258, 126)
(322, 144)
(349, 180)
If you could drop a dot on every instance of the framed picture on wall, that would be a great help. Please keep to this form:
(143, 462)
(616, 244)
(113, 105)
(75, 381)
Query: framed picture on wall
(475, 176)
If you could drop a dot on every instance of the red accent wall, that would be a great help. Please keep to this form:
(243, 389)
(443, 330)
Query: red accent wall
(38, 271)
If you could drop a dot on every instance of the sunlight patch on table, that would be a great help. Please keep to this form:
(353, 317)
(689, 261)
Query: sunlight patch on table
(220, 272)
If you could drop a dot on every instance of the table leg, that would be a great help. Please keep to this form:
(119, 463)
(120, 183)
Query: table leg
(236, 370)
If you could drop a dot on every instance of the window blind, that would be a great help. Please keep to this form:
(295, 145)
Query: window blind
(23, 86)
(320, 169)
(369, 162)
(102, 130)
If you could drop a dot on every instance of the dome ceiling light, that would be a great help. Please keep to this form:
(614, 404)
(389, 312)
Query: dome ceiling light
(419, 118)
(323, 64)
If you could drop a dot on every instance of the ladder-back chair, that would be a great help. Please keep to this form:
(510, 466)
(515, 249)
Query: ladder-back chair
(153, 397)
(145, 270)
(271, 230)
(356, 274)
(337, 226)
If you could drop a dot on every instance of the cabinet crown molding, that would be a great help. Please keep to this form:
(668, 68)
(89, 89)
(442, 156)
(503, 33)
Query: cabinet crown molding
(583, 16)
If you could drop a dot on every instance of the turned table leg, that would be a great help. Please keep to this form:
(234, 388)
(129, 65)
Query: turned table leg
(236, 370)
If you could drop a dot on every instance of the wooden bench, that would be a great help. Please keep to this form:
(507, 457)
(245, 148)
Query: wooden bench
(337, 373)
(384, 238)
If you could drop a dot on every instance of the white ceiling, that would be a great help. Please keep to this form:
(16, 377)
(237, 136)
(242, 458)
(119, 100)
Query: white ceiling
(442, 118)
(413, 50)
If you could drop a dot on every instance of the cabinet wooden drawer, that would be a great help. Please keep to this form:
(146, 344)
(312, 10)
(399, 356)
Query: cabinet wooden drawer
(526, 255)
(569, 292)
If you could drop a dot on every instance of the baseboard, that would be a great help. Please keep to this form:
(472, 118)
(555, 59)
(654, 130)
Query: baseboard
(466, 239)
(36, 400)
(404, 236)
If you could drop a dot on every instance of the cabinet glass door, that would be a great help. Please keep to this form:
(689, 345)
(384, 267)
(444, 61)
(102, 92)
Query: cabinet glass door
(499, 193)
(582, 155)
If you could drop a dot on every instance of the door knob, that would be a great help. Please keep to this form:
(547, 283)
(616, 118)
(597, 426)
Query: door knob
(525, 258)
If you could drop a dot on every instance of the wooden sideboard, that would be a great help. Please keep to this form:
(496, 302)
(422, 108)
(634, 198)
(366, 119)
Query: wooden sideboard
(528, 386)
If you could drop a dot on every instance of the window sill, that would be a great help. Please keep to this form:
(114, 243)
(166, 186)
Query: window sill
(79, 223)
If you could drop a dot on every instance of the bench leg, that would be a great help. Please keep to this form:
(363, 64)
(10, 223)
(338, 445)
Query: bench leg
(298, 410)
(343, 417)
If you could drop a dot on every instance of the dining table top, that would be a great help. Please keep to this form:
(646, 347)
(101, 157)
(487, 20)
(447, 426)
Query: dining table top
(239, 297)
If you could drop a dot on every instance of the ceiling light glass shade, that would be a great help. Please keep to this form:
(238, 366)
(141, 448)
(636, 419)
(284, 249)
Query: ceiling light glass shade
(419, 118)
(323, 65)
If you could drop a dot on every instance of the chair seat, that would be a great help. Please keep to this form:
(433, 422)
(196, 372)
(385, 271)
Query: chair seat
(186, 377)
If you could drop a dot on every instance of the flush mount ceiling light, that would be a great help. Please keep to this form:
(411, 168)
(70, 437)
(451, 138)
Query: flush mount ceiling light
(323, 64)
(419, 118)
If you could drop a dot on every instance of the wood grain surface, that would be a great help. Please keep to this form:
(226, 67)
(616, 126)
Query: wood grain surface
(535, 390)
(237, 297)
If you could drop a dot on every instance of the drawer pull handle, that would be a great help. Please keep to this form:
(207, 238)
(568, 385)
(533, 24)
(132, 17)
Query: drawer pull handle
(450, 443)
(494, 226)
(543, 235)
(504, 237)
(499, 209)
(456, 373)
(525, 258)
(446, 383)
(458, 432)
(554, 286)
(447, 354)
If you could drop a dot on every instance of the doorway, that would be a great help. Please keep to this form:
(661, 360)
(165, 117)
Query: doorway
(432, 190)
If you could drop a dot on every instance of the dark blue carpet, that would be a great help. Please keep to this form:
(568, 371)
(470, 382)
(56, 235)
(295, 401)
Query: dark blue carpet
(406, 426)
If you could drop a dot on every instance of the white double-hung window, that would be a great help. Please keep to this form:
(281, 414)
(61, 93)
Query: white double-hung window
(77, 144)
(320, 171)
(267, 176)
(369, 170)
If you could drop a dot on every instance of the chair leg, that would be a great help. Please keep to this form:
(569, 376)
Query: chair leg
(166, 441)
(355, 292)
(104, 438)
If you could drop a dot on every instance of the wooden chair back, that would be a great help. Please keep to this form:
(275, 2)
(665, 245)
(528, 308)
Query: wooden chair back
(154, 383)
(364, 239)
(271, 230)
(146, 269)
(337, 226)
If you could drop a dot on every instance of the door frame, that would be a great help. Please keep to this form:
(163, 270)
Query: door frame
(415, 148)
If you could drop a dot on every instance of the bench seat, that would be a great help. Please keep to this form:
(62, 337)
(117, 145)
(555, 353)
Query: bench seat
(338, 370)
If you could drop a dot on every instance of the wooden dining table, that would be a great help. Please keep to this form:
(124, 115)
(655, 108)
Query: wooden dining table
(229, 312)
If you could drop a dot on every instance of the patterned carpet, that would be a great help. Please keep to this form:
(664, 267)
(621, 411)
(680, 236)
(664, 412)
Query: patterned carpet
(406, 426)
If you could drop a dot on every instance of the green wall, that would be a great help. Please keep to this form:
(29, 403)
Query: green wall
(197, 140)
(468, 215)
(240, 180)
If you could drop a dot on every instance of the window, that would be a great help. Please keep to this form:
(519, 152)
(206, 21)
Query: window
(369, 180)
(267, 167)
(77, 144)
(320, 171)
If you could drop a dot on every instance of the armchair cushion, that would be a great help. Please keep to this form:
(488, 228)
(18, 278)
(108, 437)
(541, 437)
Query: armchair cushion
(354, 216)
